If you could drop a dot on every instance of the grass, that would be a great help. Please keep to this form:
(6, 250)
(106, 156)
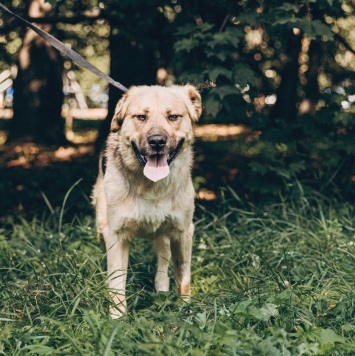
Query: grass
(272, 279)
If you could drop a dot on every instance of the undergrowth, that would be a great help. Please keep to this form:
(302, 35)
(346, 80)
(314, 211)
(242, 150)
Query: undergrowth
(268, 279)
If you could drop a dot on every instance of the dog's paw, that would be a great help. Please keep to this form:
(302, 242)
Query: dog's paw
(117, 312)
(161, 282)
(186, 298)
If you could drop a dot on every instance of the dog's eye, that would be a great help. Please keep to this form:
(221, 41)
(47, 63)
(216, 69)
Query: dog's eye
(141, 117)
(173, 117)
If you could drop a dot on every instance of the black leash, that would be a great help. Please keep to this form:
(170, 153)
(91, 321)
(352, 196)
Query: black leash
(67, 51)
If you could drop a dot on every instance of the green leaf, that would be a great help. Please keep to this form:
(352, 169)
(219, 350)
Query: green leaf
(243, 75)
(186, 45)
(39, 349)
(279, 299)
(348, 328)
(269, 310)
(221, 55)
(185, 30)
(216, 71)
(256, 313)
(201, 319)
(74, 245)
(287, 7)
(221, 328)
(297, 167)
(223, 90)
(240, 308)
(321, 29)
(312, 29)
(194, 78)
(212, 105)
(205, 27)
(259, 168)
(326, 336)
(290, 22)
(308, 348)
(249, 17)
(268, 348)
(231, 36)
(282, 15)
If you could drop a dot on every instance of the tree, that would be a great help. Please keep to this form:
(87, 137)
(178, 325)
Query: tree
(136, 35)
(38, 94)
(282, 68)
(264, 68)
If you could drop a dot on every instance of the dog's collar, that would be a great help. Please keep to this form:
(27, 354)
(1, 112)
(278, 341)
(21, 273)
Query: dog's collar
(142, 160)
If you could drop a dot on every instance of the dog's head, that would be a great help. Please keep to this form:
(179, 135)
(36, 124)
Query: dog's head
(156, 123)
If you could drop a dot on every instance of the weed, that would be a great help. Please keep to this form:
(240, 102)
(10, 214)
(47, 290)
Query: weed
(272, 279)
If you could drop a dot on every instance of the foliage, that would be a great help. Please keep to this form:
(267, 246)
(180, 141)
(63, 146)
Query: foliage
(87, 37)
(239, 68)
(273, 278)
(316, 150)
(210, 58)
(255, 36)
(238, 53)
(269, 279)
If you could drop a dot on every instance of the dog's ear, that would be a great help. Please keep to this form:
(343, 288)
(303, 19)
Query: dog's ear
(118, 117)
(195, 98)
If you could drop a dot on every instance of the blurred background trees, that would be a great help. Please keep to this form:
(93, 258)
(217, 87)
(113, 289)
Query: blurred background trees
(38, 85)
(283, 69)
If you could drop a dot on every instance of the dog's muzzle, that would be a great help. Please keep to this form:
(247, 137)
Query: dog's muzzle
(142, 159)
(156, 165)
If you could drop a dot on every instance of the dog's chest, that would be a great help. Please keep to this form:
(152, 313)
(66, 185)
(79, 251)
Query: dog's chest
(151, 221)
(148, 211)
(147, 217)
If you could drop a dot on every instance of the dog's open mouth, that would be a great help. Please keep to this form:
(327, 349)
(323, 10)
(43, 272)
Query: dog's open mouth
(156, 167)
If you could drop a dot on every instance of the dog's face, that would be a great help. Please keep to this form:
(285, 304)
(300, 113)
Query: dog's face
(156, 123)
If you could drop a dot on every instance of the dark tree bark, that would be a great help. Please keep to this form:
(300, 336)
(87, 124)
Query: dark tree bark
(315, 59)
(130, 65)
(285, 106)
(311, 90)
(142, 34)
(38, 94)
(135, 41)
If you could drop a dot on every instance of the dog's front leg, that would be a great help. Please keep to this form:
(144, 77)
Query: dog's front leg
(162, 249)
(117, 263)
(181, 248)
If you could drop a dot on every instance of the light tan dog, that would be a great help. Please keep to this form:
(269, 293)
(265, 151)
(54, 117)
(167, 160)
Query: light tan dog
(144, 187)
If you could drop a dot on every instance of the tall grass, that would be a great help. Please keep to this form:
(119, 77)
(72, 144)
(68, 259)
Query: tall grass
(272, 279)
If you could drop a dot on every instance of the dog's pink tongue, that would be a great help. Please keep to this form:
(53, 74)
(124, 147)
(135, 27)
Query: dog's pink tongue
(156, 168)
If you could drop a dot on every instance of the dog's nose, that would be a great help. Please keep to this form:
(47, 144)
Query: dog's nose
(157, 142)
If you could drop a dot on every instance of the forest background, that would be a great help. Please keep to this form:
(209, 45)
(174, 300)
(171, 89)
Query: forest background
(274, 174)
(282, 71)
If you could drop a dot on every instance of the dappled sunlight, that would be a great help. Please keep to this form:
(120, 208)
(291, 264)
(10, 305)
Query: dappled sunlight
(31, 155)
(68, 153)
(206, 195)
(30, 168)
(214, 132)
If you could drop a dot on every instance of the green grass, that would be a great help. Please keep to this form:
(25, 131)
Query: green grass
(272, 279)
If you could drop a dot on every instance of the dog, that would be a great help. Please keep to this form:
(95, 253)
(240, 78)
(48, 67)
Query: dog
(144, 186)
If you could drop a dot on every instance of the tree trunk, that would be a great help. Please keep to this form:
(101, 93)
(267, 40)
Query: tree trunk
(130, 65)
(311, 90)
(285, 106)
(136, 41)
(38, 94)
